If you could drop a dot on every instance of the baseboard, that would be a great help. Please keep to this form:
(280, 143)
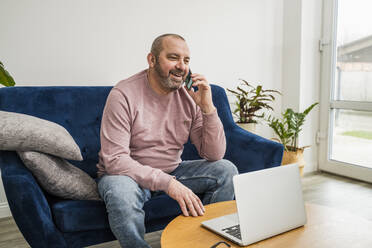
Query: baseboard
(4, 210)
(311, 166)
(311, 173)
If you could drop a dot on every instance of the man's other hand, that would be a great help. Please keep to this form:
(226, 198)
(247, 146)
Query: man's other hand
(187, 200)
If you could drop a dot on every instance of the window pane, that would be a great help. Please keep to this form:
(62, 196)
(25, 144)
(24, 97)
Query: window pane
(352, 137)
(353, 79)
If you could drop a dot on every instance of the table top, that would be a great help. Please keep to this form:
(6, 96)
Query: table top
(325, 227)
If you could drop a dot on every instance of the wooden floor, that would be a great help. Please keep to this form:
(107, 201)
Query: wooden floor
(320, 188)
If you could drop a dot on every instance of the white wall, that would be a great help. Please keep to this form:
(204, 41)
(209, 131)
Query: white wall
(301, 68)
(100, 42)
(310, 78)
(4, 208)
(93, 42)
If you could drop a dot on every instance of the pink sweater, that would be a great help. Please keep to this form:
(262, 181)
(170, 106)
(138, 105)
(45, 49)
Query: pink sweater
(143, 133)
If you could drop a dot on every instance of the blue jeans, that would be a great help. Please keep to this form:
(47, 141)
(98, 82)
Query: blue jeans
(124, 198)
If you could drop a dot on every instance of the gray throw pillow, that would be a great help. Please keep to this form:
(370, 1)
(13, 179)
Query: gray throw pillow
(20, 132)
(60, 178)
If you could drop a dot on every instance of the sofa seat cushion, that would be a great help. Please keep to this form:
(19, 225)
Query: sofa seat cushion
(74, 216)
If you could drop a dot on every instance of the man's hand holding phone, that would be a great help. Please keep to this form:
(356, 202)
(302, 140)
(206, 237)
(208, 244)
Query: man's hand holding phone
(203, 97)
(188, 81)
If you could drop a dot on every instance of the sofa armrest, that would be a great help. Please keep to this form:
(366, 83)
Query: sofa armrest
(250, 152)
(28, 204)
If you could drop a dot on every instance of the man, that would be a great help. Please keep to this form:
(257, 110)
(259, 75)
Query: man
(146, 121)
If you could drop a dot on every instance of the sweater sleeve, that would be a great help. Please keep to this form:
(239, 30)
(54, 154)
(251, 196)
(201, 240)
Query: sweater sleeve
(208, 136)
(115, 140)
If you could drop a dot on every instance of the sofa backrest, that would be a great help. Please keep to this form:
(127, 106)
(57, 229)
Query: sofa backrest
(79, 110)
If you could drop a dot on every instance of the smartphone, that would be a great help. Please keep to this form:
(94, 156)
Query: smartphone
(188, 81)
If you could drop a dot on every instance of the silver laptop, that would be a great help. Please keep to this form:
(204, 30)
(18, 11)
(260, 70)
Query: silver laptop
(269, 202)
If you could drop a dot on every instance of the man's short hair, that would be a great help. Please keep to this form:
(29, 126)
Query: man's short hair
(157, 44)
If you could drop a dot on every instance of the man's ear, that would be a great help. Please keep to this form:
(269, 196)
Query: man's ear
(151, 59)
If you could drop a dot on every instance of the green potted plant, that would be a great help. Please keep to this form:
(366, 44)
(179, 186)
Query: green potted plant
(250, 101)
(5, 78)
(287, 128)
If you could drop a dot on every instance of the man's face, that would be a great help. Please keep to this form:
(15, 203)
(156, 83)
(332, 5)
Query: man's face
(172, 65)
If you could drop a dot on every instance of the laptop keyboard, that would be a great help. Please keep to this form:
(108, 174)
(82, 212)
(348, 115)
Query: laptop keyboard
(233, 231)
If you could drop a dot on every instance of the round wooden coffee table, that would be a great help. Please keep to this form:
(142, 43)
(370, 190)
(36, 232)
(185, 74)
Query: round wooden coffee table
(326, 227)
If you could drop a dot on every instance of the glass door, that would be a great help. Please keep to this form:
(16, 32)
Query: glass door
(346, 83)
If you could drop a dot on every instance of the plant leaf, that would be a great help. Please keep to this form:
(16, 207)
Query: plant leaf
(310, 108)
(5, 78)
(252, 99)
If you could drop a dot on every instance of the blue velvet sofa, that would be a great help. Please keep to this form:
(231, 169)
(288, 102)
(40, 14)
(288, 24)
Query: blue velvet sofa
(47, 221)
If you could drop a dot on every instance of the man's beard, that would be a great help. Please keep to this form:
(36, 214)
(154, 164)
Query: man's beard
(165, 79)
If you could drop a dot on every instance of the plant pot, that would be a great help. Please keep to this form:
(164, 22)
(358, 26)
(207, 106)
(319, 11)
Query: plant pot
(291, 157)
(250, 127)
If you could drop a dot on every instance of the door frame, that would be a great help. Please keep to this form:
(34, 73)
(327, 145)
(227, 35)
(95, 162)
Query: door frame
(328, 47)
